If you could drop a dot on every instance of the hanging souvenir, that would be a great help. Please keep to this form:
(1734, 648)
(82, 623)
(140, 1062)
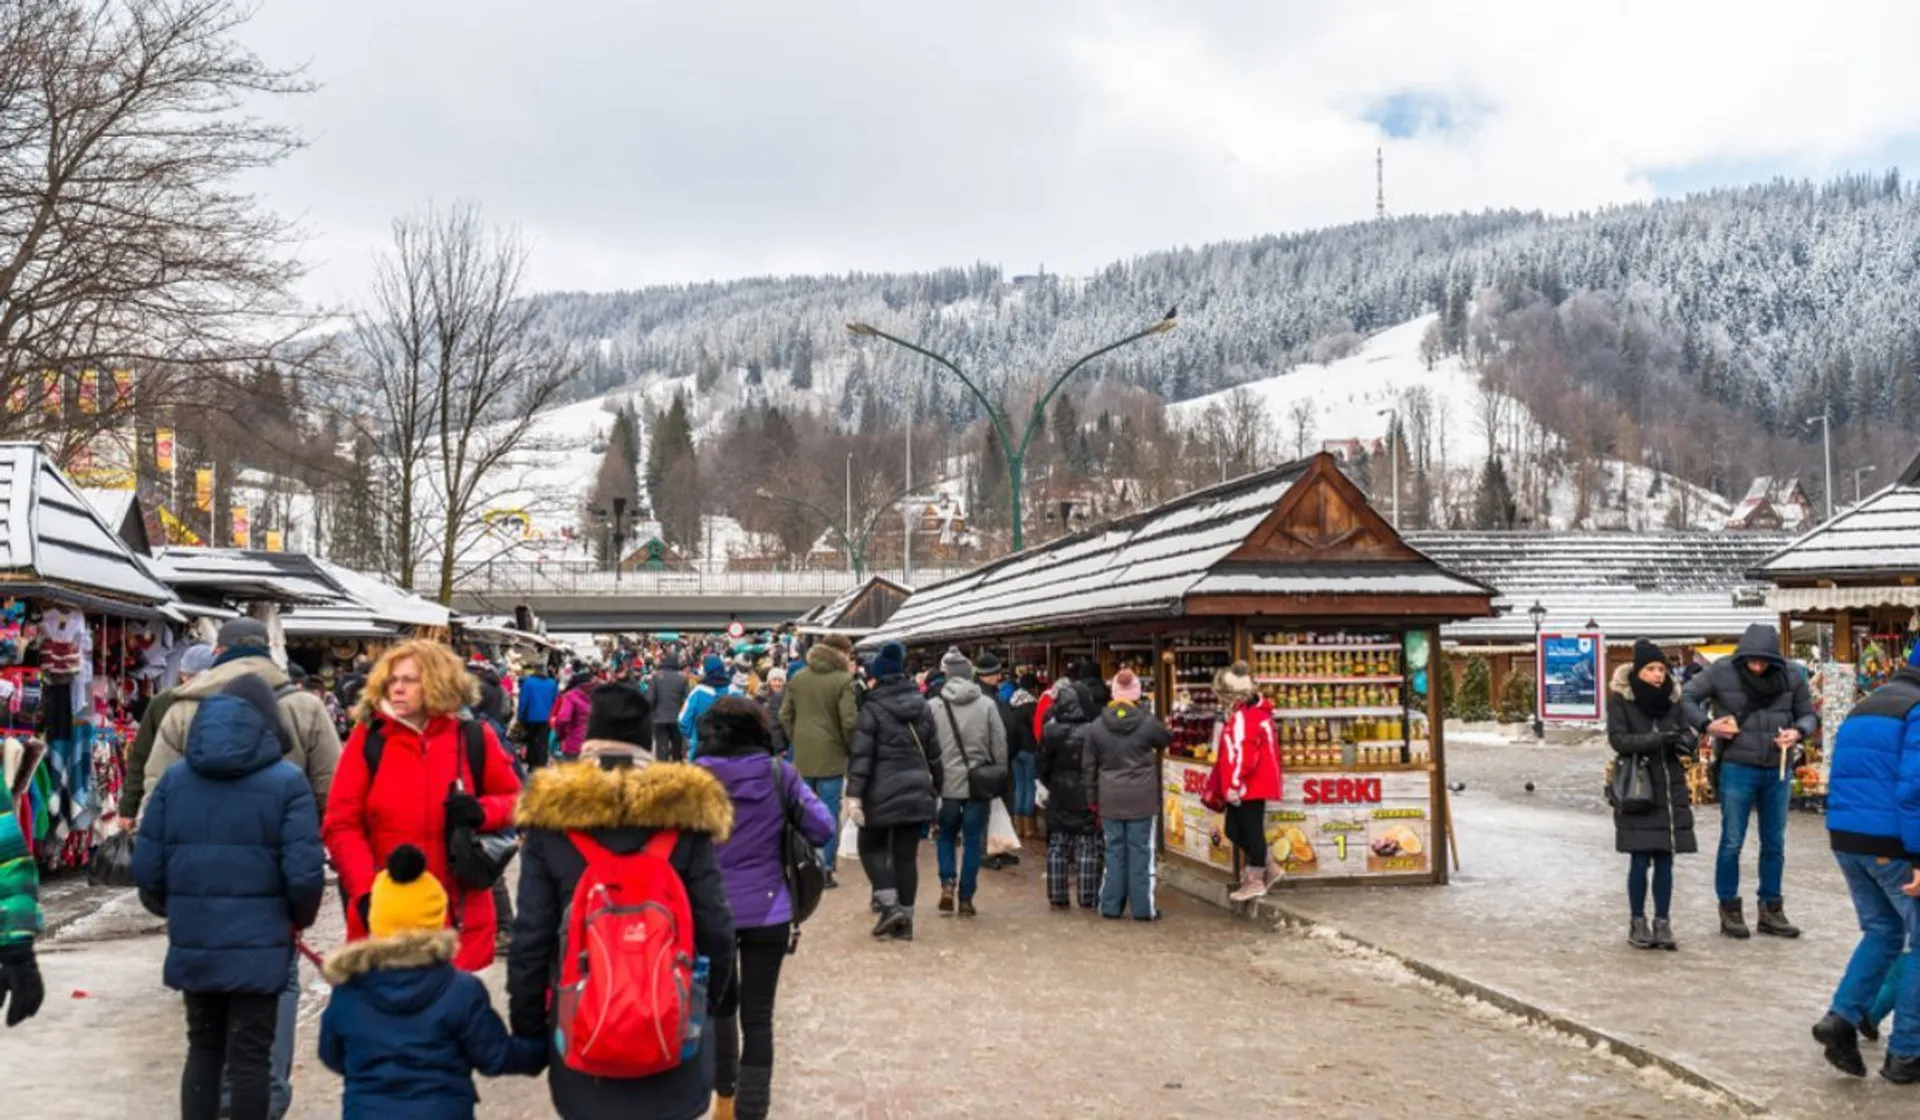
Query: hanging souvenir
(64, 632)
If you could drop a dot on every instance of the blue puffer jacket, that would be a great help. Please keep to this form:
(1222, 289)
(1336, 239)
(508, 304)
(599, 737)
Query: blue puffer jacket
(1873, 791)
(407, 1030)
(537, 694)
(229, 849)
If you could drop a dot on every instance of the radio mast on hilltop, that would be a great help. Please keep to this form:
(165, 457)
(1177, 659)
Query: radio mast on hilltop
(1380, 184)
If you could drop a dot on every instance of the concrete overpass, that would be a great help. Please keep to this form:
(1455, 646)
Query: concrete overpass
(576, 598)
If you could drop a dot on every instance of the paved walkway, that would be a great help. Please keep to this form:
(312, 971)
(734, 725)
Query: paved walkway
(1539, 912)
(1019, 1013)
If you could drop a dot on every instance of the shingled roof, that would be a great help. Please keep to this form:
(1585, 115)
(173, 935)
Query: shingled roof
(54, 544)
(1300, 530)
(1879, 538)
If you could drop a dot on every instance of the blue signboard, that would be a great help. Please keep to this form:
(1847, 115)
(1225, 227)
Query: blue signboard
(1572, 667)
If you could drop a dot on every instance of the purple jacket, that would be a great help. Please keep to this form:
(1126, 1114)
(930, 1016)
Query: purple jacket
(570, 719)
(750, 860)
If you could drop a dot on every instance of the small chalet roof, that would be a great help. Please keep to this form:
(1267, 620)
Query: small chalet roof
(859, 610)
(245, 575)
(1301, 530)
(53, 543)
(1877, 541)
(124, 514)
(1663, 586)
(373, 608)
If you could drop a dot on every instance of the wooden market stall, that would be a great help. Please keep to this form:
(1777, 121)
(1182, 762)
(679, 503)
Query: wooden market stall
(858, 611)
(1292, 571)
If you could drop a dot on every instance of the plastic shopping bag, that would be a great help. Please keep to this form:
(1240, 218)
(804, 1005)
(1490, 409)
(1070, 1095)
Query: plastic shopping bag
(1001, 839)
(112, 863)
(1039, 794)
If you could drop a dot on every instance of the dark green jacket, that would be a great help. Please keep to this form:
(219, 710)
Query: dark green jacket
(133, 791)
(819, 712)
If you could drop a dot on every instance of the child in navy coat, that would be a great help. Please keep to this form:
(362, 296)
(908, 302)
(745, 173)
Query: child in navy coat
(405, 1027)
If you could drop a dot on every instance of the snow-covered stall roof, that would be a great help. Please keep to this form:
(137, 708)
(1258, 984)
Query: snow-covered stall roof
(859, 610)
(373, 608)
(123, 513)
(248, 576)
(1299, 530)
(1875, 541)
(53, 543)
(1663, 586)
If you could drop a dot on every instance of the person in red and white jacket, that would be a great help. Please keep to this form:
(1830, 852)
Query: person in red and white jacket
(1246, 765)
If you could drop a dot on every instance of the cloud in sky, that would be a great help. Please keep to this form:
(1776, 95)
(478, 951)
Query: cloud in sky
(649, 142)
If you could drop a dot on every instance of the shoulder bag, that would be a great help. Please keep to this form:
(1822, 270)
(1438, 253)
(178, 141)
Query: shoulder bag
(985, 780)
(801, 865)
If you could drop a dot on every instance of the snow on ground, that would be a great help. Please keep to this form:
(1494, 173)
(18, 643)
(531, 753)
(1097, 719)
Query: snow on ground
(1353, 398)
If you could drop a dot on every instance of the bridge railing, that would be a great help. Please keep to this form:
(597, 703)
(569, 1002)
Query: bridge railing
(582, 578)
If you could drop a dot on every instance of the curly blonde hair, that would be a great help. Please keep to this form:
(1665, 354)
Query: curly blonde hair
(447, 684)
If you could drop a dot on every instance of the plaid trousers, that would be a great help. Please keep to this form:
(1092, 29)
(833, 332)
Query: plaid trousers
(1078, 853)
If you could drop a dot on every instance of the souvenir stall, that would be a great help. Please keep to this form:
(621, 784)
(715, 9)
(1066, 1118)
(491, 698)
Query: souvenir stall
(84, 637)
(1852, 585)
(1291, 571)
(371, 614)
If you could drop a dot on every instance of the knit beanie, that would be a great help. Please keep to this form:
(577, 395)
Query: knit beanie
(776, 676)
(956, 666)
(406, 899)
(1646, 653)
(198, 659)
(618, 712)
(713, 671)
(1126, 686)
(891, 661)
(1234, 683)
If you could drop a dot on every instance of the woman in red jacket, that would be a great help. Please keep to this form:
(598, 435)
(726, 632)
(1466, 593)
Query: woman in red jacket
(1246, 768)
(413, 697)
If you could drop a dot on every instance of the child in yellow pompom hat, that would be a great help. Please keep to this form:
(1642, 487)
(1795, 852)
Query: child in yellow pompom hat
(405, 1027)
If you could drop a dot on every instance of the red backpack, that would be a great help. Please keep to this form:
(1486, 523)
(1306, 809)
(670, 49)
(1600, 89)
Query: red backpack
(629, 1003)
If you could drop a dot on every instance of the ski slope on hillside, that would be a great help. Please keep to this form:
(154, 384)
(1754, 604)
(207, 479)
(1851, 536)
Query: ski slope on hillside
(1355, 398)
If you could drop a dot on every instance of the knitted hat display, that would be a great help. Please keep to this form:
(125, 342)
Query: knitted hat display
(406, 898)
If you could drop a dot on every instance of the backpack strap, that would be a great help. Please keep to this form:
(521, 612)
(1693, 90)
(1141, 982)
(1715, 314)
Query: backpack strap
(372, 746)
(474, 733)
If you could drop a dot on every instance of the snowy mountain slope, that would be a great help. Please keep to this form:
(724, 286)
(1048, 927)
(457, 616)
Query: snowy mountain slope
(1356, 397)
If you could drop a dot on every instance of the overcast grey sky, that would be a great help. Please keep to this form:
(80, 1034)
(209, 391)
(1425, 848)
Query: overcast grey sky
(645, 142)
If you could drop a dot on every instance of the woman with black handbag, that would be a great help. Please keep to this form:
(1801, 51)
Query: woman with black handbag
(1652, 811)
(769, 895)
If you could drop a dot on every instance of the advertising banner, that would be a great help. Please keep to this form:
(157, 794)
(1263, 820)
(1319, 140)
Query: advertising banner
(240, 527)
(163, 450)
(203, 489)
(1329, 825)
(1571, 669)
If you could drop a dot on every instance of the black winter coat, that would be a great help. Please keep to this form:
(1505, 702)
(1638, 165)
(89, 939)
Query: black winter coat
(1720, 691)
(895, 768)
(1668, 826)
(1019, 721)
(1059, 763)
(1120, 754)
(621, 809)
(669, 695)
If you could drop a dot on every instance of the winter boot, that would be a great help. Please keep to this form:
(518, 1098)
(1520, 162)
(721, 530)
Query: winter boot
(1901, 1071)
(903, 930)
(891, 912)
(1253, 884)
(1640, 934)
(946, 898)
(967, 910)
(1733, 920)
(1841, 1043)
(722, 1108)
(756, 1093)
(1663, 935)
(1773, 920)
(1870, 1031)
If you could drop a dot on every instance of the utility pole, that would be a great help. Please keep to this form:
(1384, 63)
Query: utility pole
(1393, 453)
(849, 520)
(1826, 442)
(907, 520)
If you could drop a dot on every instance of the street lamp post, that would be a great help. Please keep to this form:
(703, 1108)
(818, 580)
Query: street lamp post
(1016, 454)
(616, 534)
(1539, 615)
(1825, 420)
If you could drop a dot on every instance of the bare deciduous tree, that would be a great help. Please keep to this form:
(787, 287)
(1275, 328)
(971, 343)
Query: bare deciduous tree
(1300, 422)
(460, 373)
(124, 243)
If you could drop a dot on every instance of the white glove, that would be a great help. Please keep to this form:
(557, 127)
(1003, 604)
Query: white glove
(855, 814)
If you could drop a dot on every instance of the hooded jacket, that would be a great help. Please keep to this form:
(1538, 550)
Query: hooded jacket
(406, 803)
(982, 734)
(669, 692)
(1873, 788)
(1781, 700)
(621, 809)
(407, 1030)
(229, 850)
(570, 715)
(753, 858)
(818, 713)
(538, 691)
(1119, 755)
(1248, 757)
(715, 682)
(20, 916)
(1059, 762)
(311, 743)
(1668, 826)
(895, 768)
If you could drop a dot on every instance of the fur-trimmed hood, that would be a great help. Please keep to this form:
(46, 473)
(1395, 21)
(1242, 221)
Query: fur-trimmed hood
(406, 950)
(577, 796)
(1622, 683)
(823, 658)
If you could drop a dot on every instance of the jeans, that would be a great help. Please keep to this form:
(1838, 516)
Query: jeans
(232, 1033)
(1662, 863)
(1129, 878)
(539, 741)
(890, 855)
(286, 1013)
(1742, 790)
(1024, 776)
(668, 744)
(1889, 925)
(963, 818)
(748, 1008)
(828, 790)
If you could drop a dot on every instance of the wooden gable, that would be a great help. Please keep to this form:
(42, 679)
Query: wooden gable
(1323, 518)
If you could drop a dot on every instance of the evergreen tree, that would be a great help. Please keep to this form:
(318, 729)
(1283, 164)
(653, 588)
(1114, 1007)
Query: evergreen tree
(1476, 690)
(991, 509)
(800, 361)
(1517, 698)
(1493, 505)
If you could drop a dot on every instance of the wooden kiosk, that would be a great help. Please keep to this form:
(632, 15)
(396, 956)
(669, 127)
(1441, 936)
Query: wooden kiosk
(1293, 572)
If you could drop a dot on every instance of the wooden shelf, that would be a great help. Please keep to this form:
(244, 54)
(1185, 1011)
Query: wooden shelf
(1335, 713)
(1374, 647)
(1330, 680)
